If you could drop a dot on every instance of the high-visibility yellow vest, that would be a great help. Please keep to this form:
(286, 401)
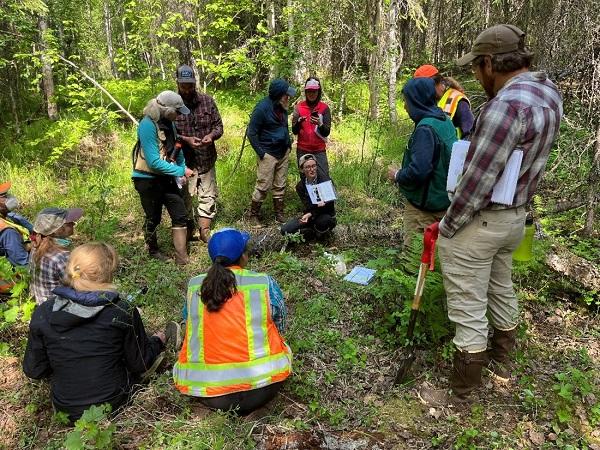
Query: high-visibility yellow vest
(237, 348)
(449, 104)
(6, 223)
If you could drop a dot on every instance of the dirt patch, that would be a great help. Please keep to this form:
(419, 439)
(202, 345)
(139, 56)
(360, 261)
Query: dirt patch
(11, 415)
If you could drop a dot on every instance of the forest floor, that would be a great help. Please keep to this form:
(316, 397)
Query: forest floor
(341, 395)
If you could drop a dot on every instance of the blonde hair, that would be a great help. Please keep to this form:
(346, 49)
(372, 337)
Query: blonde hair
(91, 267)
(156, 111)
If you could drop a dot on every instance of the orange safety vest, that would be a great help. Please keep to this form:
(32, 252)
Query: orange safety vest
(449, 104)
(237, 348)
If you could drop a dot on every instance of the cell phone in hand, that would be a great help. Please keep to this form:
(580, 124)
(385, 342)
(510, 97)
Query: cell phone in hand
(314, 114)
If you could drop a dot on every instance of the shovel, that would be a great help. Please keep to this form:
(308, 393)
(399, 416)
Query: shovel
(427, 263)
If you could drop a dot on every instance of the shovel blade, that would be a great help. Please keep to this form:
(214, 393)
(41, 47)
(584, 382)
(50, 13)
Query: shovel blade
(404, 365)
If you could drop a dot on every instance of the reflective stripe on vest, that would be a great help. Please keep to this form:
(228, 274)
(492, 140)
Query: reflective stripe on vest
(24, 232)
(449, 104)
(265, 358)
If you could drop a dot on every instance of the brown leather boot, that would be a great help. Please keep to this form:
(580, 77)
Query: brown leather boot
(278, 207)
(503, 344)
(253, 214)
(204, 225)
(466, 376)
(180, 244)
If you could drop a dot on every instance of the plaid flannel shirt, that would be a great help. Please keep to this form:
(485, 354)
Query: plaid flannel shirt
(204, 119)
(48, 275)
(525, 114)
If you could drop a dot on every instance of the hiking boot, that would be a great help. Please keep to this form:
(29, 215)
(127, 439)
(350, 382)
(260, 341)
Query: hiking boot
(278, 207)
(180, 244)
(191, 227)
(503, 344)
(204, 225)
(466, 376)
(173, 339)
(253, 215)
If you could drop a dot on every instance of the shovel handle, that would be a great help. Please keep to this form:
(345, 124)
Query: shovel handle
(429, 237)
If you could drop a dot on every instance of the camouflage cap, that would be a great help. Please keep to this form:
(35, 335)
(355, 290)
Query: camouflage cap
(49, 220)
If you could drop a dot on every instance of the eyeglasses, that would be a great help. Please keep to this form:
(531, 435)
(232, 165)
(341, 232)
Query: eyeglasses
(312, 166)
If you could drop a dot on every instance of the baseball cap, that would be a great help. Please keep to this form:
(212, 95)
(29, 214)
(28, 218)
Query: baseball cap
(5, 187)
(305, 158)
(495, 41)
(229, 243)
(172, 99)
(312, 85)
(425, 71)
(185, 74)
(49, 220)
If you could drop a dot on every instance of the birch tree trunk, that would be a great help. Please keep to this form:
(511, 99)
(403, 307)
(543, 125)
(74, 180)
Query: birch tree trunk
(109, 41)
(47, 71)
(271, 24)
(392, 50)
(375, 31)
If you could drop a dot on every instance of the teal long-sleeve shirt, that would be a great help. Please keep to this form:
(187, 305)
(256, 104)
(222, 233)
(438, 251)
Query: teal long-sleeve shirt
(147, 134)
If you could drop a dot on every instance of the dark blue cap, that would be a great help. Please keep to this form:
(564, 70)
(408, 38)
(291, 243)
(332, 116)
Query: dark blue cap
(229, 243)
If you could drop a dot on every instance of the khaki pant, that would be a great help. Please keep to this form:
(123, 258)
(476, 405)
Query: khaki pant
(476, 267)
(415, 221)
(271, 174)
(204, 187)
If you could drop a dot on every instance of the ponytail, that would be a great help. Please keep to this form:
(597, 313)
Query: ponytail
(218, 285)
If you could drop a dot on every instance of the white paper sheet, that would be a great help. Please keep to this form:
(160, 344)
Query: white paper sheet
(321, 192)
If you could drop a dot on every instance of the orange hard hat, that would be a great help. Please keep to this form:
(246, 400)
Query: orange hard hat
(426, 71)
(4, 187)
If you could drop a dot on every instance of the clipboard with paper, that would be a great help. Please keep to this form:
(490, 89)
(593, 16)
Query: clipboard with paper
(321, 192)
(505, 188)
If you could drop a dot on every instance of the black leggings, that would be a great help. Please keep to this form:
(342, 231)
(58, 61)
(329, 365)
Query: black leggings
(243, 402)
(156, 192)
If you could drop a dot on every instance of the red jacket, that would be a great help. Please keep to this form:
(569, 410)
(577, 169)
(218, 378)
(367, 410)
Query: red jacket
(309, 139)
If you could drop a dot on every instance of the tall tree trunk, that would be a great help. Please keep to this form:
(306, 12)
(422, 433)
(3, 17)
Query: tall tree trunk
(109, 41)
(375, 55)
(125, 46)
(13, 101)
(392, 50)
(593, 188)
(271, 26)
(47, 71)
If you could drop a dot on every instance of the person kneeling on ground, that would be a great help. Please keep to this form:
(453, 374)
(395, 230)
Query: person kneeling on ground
(49, 255)
(233, 356)
(317, 219)
(90, 343)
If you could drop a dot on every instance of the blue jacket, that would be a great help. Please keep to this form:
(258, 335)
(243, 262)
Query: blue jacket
(268, 128)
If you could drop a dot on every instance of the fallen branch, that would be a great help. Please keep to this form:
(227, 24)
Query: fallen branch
(574, 267)
(99, 86)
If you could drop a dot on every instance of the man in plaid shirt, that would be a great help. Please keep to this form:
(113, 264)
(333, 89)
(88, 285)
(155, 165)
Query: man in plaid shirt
(478, 237)
(199, 131)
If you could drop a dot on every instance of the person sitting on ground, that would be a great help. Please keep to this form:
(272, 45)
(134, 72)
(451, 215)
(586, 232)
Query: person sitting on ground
(318, 219)
(89, 342)
(49, 255)
(422, 178)
(233, 355)
(14, 236)
(451, 99)
(311, 121)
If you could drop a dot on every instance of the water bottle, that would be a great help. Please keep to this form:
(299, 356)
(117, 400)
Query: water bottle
(524, 252)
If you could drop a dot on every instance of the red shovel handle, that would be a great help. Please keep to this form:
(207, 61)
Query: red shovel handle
(429, 237)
